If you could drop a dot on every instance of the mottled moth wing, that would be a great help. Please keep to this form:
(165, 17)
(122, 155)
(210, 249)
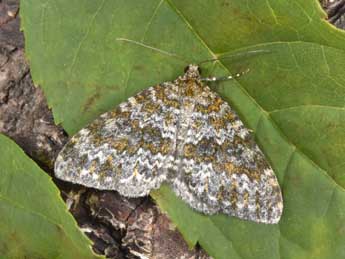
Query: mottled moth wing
(130, 149)
(182, 133)
(222, 169)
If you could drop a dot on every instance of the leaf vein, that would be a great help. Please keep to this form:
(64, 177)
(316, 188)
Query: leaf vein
(74, 60)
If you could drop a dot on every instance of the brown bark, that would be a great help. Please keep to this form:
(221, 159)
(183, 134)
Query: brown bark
(335, 11)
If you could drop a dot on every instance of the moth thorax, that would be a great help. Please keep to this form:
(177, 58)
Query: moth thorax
(193, 87)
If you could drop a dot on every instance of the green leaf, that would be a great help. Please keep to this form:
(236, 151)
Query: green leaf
(292, 98)
(34, 220)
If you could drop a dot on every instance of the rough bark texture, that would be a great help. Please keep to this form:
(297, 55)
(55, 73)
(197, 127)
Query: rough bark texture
(336, 12)
(119, 227)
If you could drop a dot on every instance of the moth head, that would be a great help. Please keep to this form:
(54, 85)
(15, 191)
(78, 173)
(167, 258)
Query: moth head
(192, 71)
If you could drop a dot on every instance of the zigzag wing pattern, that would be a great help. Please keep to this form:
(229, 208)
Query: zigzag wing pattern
(221, 167)
(182, 133)
(130, 149)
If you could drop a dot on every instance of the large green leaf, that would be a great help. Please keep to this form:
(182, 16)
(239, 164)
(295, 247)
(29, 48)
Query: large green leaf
(34, 221)
(293, 98)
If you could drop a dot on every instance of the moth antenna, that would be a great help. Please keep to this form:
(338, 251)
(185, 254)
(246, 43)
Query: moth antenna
(164, 52)
(235, 55)
(224, 78)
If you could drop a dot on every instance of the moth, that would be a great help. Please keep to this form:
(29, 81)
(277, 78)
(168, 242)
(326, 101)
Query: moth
(181, 133)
